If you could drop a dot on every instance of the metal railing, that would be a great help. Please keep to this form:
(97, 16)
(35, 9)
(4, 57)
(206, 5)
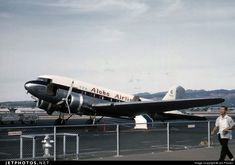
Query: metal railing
(103, 139)
(34, 136)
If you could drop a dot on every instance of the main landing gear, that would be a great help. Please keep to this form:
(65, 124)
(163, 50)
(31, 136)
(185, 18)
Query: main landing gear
(93, 120)
(61, 120)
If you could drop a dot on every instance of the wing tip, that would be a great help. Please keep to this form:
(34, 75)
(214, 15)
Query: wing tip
(220, 100)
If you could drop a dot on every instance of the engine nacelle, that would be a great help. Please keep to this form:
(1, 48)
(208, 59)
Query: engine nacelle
(75, 102)
(48, 107)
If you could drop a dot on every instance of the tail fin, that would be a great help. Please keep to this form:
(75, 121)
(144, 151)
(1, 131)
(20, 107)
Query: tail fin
(175, 92)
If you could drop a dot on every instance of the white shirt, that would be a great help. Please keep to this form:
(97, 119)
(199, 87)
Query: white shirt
(223, 123)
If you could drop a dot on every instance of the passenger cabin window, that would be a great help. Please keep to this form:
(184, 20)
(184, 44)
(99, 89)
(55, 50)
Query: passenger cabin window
(51, 89)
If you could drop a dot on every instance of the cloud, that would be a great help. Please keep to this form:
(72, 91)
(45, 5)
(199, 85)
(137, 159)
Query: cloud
(109, 70)
(134, 80)
(151, 44)
(113, 7)
(178, 11)
(169, 8)
(106, 34)
(5, 15)
(99, 5)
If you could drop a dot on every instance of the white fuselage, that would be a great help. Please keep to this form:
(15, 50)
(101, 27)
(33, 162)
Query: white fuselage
(96, 90)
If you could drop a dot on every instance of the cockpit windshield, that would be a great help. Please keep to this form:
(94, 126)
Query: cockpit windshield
(44, 80)
(51, 88)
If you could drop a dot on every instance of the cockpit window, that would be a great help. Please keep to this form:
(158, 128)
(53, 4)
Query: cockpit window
(45, 80)
(51, 88)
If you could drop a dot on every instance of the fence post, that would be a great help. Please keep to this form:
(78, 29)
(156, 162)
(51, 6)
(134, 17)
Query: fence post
(54, 143)
(77, 147)
(168, 137)
(209, 134)
(118, 144)
(33, 148)
(21, 147)
(64, 145)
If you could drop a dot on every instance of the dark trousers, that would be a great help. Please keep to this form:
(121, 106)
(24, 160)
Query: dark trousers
(224, 150)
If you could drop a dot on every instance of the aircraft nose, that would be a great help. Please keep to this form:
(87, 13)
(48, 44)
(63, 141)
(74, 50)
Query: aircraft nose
(28, 86)
(36, 88)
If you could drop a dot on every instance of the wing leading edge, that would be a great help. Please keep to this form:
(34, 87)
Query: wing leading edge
(132, 109)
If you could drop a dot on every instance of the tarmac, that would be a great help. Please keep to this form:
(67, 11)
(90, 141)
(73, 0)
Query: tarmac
(98, 144)
(197, 154)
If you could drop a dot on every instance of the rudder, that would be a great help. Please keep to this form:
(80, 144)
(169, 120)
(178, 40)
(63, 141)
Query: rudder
(175, 92)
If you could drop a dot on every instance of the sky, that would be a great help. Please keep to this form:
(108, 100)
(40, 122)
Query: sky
(131, 46)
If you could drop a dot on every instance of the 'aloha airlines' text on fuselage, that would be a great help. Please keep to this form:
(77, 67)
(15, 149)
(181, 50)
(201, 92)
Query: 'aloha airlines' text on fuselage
(100, 92)
(107, 94)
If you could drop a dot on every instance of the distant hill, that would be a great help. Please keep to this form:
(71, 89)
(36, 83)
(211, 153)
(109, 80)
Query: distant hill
(18, 104)
(228, 95)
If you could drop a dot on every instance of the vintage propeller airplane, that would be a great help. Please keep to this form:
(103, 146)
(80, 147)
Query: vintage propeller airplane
(66, 95)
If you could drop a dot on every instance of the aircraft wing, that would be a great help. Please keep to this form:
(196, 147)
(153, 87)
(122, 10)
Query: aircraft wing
(171, 116)
(132, 109)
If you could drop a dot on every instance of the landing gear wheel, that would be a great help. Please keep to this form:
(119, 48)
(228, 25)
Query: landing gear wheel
(89, 121)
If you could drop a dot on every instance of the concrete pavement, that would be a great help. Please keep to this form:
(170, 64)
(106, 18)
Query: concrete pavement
(197, 154)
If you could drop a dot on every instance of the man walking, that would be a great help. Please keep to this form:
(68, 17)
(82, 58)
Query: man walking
(225, 125)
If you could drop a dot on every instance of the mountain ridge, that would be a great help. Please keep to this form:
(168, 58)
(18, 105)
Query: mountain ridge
(228, 95)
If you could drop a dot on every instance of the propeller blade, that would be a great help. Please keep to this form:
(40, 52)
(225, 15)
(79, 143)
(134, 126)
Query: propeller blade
(70, 90)
(68, 106)
(37, 103)
(33, 97)
(60, 102)
(65, 100)
(36, 100)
